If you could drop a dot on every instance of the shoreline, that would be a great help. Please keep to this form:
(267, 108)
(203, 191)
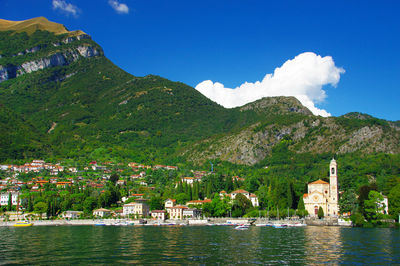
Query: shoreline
(189, 222)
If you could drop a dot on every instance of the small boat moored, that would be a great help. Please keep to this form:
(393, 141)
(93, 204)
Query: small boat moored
(23, 224)
(100, 223)
(242, 227)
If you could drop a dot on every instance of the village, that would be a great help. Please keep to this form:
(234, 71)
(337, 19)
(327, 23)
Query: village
(134, 205)
(38, 191)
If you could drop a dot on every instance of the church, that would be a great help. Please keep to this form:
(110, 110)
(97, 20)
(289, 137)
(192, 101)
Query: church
(323, 194)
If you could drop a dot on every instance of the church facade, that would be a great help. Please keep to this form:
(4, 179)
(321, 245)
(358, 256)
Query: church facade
(323, 194)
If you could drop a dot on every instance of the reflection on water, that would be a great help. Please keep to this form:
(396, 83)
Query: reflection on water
(198, 245)
(323, 244)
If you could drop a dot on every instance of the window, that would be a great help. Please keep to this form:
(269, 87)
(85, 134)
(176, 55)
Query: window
(332, 171)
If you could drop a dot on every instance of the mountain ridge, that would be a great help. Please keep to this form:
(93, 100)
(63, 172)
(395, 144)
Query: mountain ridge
(88, 107)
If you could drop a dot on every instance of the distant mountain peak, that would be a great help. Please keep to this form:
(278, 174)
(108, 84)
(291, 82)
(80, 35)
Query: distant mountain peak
(277, 105)
(40, 23)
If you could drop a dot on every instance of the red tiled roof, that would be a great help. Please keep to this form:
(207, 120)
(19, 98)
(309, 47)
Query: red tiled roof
(305, 195)
(239, 191)
(319, 181)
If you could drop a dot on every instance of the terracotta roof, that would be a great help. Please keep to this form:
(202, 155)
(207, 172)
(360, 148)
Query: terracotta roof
(223, 192)
(319, 181)
(179, 207)
(239, 191)
(253, 195)
(305, 195)
(173, 200)
(101, 210)
(158, 211)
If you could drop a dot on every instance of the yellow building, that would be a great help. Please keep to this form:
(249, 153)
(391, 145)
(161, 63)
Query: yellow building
(323, 194)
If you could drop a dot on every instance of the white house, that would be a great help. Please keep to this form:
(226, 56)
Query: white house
(5, 196)
(136, 209)
(158, 214)
(169, 203)
(191, 213)
(71, 214)
(252, 197)
(385, 204)
(102, 212)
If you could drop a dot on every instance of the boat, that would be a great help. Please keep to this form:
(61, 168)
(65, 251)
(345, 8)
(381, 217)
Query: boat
(242, 227)
(279, 225)
(121, 224)
(297, 225)
(101, 223)
(23, 224)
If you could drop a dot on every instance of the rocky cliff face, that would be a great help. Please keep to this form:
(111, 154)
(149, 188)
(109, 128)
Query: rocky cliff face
(312, 134)
(62, 57)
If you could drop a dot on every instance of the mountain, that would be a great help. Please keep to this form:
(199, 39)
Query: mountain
(75, 103)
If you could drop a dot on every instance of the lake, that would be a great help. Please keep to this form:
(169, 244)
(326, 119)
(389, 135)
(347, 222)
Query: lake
(198, 245)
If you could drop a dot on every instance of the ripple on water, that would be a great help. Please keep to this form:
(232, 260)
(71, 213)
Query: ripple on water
(198, 245)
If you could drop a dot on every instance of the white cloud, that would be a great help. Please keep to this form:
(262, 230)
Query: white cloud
(68, 8)
(302, 77)
(119, 7)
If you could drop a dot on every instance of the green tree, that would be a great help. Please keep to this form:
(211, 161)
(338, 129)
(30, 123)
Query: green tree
(348, 201)
(300, 205)
(182, 198)
(114, 178)
(40, 208)
(156, 203)
(9, 205)
(373, 207)
(357, 219)
(320, 213)
(89, 204)
(394, 201)
(241, 205)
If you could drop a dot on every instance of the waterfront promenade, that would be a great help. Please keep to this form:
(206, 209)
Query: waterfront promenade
(194, 222)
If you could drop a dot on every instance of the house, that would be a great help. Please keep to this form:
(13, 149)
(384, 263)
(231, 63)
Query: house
(136, 209)
(73, 169)
(158, 214)
(4, 197)
(42, 182)
(169, 203)
(191, 213)
(385, 204)
(176, 212)
(64, 184)
(254, 200)
(71, 214)
(223, 193)
(121, 182)
(102, 212)
(190, 180)
(252, 197)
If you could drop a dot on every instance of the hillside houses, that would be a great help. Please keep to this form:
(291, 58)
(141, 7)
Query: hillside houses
(252, 197)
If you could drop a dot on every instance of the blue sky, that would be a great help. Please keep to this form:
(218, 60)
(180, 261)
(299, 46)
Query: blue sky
(233, 42)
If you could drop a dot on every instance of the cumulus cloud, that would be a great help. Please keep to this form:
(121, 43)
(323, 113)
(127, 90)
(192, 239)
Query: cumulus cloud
(302, 77)
(65, 7)
(119, 7)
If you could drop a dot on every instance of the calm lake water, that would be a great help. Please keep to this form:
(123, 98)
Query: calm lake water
(198, 245)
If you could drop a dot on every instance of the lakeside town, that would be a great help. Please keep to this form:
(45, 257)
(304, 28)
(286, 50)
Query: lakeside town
(40, 191)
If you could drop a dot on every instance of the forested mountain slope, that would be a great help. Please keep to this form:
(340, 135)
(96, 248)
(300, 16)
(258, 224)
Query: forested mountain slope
(72, 102)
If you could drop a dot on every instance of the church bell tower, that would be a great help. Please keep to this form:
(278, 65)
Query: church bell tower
(333, 187)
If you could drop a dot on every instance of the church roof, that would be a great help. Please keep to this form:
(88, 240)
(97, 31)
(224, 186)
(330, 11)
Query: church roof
(319, 181)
